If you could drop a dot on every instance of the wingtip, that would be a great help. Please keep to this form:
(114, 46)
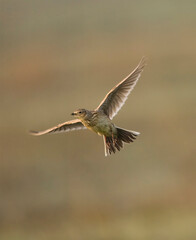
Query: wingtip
(34, 133)
(143, 60)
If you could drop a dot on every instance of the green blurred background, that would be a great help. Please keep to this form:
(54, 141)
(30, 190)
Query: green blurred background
(58, 56)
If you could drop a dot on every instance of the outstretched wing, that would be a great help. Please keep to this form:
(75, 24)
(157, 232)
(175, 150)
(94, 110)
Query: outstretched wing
(117, 96)
(63, 127)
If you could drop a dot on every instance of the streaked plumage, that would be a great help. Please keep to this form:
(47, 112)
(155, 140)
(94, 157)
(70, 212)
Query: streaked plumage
(99, 120)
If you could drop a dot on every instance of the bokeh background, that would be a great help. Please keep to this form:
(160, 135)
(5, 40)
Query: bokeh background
(58, 56)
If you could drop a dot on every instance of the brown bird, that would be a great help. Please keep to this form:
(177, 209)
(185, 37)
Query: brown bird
(99, 120)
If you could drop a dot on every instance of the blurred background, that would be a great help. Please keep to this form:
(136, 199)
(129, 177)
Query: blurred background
(58, 56)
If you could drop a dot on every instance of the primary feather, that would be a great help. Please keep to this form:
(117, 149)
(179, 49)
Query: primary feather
(117, 96)
(72, 125)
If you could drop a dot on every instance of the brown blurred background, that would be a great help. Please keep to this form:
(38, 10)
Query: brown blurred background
(57, 56)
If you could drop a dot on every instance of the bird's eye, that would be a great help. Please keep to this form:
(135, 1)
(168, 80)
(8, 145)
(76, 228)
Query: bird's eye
(80, 112)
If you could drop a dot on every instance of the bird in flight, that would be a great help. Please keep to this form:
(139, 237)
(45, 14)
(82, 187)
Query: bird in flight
(100, 119)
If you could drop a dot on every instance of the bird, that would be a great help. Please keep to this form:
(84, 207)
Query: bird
(99, 120)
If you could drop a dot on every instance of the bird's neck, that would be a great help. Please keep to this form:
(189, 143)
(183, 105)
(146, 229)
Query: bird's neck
(88, 119)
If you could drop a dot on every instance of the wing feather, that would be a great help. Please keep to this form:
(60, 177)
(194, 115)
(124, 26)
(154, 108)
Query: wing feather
(117, 96)
(63, 127)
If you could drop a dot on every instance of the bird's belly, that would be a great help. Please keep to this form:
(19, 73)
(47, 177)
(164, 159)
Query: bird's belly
(103, 128)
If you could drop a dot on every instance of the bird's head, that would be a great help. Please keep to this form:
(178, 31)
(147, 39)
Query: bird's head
(80, 113)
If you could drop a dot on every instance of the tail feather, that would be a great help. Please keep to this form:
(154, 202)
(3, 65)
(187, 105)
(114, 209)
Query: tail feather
(116, 142)
(117, 146)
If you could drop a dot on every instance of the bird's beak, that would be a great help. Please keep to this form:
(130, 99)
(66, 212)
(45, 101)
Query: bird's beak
(73, 114)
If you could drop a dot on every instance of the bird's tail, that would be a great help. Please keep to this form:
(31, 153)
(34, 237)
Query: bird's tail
(116, 142)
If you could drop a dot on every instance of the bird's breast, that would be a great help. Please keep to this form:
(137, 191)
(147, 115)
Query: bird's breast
(100, 124)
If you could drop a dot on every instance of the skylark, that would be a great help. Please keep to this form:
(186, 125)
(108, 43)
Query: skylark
(100, 119)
